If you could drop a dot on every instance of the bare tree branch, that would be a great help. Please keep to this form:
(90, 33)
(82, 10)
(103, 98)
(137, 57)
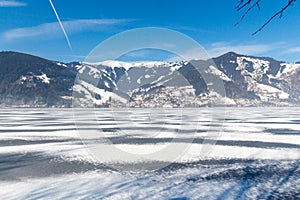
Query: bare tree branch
(255, 3)
(247, 11)
(241, 5)
(280, 13)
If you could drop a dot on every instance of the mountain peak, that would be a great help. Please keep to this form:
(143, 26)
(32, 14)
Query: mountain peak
(231, 53)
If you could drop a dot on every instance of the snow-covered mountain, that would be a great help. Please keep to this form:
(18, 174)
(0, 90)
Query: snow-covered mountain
(30, 81)
(246, 81)
(230, 79)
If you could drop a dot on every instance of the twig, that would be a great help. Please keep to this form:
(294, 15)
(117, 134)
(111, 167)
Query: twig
(247, 11)
(280, 13)
(240, 6)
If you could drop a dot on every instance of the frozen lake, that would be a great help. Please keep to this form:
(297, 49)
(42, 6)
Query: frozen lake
(150, 154)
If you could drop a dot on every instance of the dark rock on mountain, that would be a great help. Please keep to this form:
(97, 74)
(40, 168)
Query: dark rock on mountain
(27, 80)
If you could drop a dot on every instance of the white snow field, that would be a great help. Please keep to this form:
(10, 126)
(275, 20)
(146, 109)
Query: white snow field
(248, 153)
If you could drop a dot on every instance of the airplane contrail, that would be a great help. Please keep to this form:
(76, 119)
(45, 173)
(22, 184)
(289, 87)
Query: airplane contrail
(61, 25)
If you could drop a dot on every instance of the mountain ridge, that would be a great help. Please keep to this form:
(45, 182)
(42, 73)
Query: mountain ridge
(31, 81)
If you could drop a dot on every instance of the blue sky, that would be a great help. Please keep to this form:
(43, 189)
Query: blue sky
(31, 26)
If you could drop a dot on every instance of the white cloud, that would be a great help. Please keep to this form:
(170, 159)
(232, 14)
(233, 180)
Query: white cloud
(138, 54)
(220, 48)
(197, 53)
(174, 59)
(294, 50)
(12, 4)
(189, 28)
(71, 26)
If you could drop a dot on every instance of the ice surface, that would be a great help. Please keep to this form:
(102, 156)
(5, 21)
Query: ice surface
(255, 156)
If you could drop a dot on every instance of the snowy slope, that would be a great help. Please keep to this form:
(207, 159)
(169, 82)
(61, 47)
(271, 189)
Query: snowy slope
(247, 81)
